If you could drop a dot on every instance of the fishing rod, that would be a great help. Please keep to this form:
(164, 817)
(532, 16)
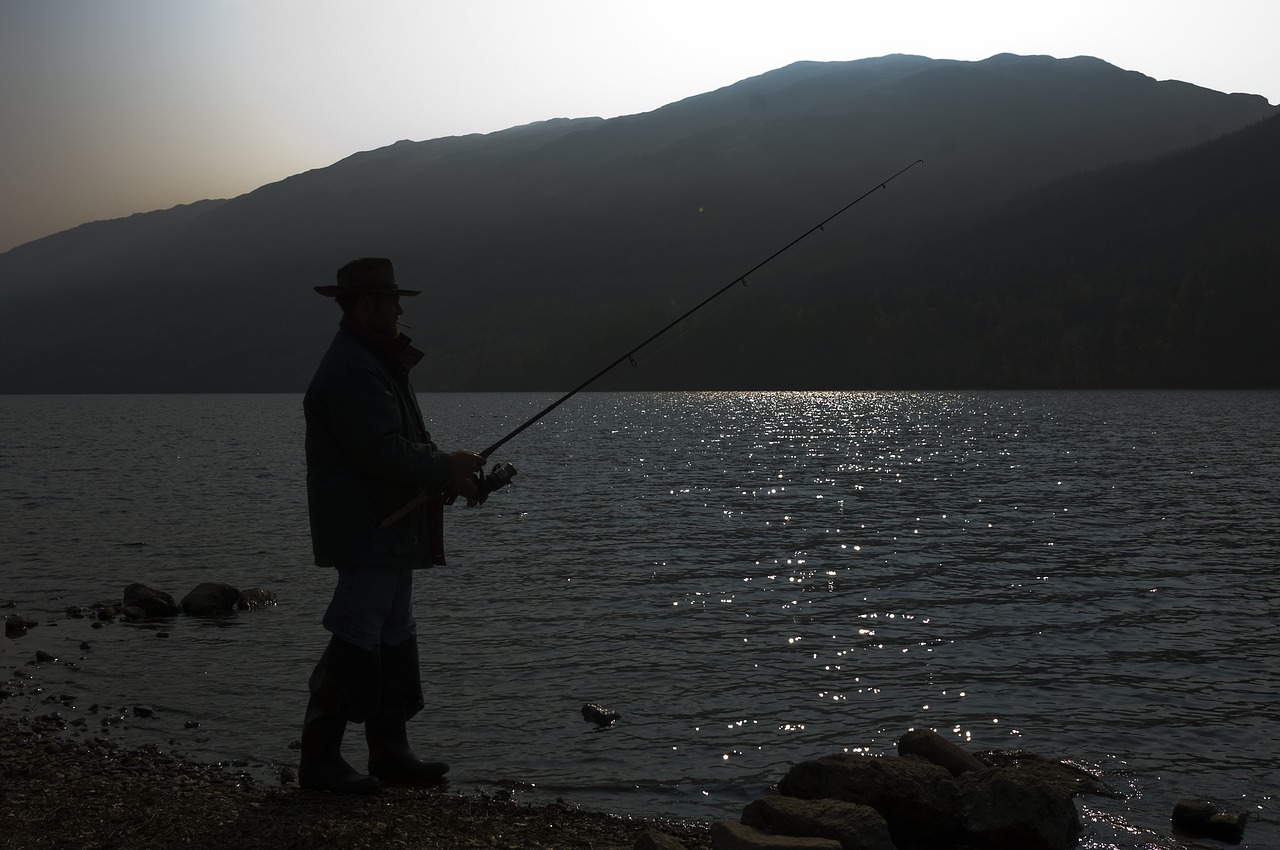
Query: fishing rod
(630, 355)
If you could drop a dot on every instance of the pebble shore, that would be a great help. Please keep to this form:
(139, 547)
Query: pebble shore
(96, 793)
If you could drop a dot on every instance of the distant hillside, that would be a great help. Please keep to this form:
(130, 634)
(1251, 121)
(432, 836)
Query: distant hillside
(1164, 274)
(567, 241)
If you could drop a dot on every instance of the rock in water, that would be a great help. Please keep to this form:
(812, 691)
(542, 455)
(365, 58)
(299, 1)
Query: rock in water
(16, 625)
(917, 799)
(931, 746)
(209, 598)
(152, 603)
(598, 714)
(256, 597)
(1204, 819)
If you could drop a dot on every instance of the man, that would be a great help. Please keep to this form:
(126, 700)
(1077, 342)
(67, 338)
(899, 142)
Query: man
(368, 453)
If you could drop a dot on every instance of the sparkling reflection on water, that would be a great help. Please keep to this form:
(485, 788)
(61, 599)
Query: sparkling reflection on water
(750, 579)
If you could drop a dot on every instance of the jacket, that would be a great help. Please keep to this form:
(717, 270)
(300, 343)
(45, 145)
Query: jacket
(368, 452)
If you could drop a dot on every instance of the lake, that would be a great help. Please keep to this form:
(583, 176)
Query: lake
(749, 579)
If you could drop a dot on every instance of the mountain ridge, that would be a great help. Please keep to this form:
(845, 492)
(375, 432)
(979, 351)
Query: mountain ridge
(560, 236)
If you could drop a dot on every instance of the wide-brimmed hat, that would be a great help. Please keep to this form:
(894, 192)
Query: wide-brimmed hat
(367, 274)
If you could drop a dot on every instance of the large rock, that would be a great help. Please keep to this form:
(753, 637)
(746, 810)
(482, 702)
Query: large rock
(1004, 808)
(154, 603)
(855, 827)
(209, 598)
(652, 839)
(1053, 772)
(931, 746)
(919, 800)
(727, 835)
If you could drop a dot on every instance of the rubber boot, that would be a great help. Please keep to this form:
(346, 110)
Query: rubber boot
(344, 687)
(391, 759)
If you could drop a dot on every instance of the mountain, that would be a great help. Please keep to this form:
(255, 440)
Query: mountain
(1160, 274)
(549, 249)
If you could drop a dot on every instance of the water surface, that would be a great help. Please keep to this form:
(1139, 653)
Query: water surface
(750, 579)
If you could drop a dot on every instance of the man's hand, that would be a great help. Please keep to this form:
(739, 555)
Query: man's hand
(465, 465)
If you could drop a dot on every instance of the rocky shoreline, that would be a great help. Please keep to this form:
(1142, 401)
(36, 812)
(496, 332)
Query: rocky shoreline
(65, 783)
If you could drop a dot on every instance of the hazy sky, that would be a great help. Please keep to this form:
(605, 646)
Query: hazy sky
(112, 107)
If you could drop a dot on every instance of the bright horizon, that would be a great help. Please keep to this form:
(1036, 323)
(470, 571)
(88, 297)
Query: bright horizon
(126, 106)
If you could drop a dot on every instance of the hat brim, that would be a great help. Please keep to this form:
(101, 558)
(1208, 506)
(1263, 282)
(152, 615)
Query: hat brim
(333, 291)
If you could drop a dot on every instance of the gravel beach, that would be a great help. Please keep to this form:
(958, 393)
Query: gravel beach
(95, 793)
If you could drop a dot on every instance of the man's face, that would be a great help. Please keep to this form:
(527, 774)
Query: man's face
(380, 313)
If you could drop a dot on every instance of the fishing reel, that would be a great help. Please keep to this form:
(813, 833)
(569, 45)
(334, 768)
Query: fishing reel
(498, 477)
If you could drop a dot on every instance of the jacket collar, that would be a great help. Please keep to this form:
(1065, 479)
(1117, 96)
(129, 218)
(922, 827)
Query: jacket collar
(398, 352)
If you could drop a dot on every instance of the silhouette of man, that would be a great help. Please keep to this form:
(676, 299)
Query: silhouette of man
(368, 453)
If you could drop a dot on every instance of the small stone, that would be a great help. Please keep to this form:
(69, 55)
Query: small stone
(598, 714)
(143, 711)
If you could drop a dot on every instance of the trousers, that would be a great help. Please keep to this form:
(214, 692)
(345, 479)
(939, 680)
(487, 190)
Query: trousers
(372, 607)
